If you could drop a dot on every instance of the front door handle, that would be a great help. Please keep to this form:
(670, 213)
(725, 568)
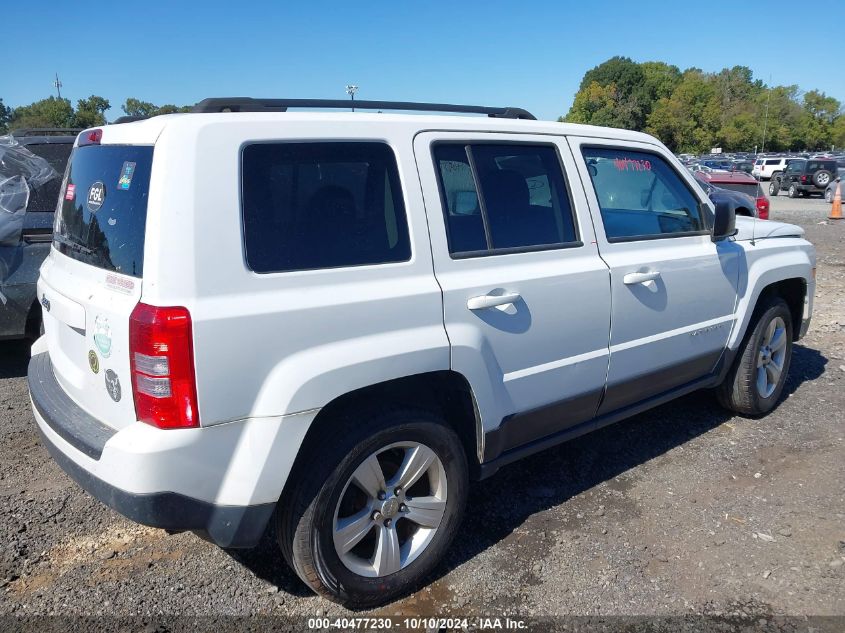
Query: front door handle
(491, 301)
(640, 278)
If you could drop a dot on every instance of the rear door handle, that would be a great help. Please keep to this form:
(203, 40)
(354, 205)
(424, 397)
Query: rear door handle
(640, 278)
(491, 301)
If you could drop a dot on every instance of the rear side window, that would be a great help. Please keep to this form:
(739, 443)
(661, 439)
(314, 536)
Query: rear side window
(103, 212)
(641, 196)
(501, 197)
(815, 165)
(322, 205)
(776, 161)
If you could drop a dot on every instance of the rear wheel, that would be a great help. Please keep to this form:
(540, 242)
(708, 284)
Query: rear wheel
(755, 382)
(378, 503)
(793, 191)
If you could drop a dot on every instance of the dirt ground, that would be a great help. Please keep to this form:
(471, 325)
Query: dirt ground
(685, 509)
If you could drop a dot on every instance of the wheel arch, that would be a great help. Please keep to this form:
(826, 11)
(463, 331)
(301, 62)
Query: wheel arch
(780, 266)
(445, 392)
(793, 291)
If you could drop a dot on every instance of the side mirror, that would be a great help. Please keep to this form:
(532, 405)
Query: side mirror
(724, 222)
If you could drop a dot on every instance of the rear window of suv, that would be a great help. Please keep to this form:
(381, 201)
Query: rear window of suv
(103, 212)
(322, 205)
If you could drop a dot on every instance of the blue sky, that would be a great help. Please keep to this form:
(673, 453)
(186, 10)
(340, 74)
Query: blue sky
(528, 54)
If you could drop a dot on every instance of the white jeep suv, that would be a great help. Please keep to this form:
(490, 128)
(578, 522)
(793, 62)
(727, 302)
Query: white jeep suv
(330, 322)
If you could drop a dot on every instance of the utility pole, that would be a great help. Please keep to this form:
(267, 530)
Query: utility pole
(58, 85)
(351, 90)
(766, 120)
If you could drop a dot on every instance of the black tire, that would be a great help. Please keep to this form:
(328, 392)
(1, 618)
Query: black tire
(828, 195)
(774, 187)
(793, 191)
(305, 516)
(822, 178)
(739, 392)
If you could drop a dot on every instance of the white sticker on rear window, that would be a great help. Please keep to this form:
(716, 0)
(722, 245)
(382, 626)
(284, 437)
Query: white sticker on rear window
(96, 196)
(126, 173)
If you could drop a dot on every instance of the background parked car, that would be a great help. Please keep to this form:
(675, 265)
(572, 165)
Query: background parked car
(22, 249)
(742, 165)
(765, 168)
(805, 177)
(830, 190)
(749, 196)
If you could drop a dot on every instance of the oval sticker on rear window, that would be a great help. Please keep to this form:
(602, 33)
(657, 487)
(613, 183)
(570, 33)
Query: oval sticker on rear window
(96, 196)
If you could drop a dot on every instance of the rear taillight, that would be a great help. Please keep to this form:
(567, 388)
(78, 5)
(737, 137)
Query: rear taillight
(91, 137)
(161, 355)
(803, 179)
(763, 208)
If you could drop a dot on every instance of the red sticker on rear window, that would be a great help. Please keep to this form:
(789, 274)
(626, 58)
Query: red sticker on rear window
(71, 192)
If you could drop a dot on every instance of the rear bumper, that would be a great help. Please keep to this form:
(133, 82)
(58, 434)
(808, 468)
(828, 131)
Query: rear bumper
(227, 526)
(223, 480)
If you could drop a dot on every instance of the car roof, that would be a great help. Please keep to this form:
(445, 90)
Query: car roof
(147, 131)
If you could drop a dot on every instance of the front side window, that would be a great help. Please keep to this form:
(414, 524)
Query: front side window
(322, 205)
(500, 197)
(640, 195)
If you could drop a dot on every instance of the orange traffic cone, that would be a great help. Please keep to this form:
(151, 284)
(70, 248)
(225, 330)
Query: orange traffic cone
(836, 209)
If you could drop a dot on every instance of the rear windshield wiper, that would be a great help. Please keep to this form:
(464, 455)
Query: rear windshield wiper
(61, 239)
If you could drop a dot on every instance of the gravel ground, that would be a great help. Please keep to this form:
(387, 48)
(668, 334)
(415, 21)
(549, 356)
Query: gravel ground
(685, 509)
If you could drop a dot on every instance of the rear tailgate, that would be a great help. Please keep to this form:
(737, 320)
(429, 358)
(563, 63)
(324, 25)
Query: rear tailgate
(91, 281)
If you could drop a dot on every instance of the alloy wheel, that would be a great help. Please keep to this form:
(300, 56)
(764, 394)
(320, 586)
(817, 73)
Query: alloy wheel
(771, 357)
(390, 509)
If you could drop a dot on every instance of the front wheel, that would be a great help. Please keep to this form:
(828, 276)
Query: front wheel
(755, 382)
(774, 187)
(379, 501)
(828, 195)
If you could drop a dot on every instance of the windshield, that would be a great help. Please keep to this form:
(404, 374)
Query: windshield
(103, 211)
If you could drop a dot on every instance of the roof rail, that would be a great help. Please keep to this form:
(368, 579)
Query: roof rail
(46, 131)
(248, 104)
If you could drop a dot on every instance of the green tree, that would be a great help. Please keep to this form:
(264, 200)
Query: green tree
(49, 112)
(689, 119)
(660, 79)
(838, 132)
(5, 117)
(613, 93)
(595, 105)
(136, 107)
(784, 116)
(820, 113)
(91, 111)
